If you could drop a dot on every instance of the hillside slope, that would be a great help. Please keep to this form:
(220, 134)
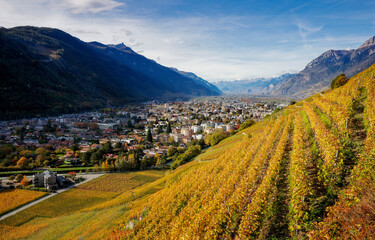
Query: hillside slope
(199, 80)
(47, 71)
(171, 81)
(304, 172)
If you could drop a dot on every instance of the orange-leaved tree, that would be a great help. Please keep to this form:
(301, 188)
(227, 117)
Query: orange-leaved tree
(25, 181)
(22, 162)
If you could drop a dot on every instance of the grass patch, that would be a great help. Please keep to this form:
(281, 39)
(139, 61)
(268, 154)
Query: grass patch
(76, 169)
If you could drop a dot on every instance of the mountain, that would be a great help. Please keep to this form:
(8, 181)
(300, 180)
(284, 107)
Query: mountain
(47, 71)
(177, 83)
(198, 80)
(259, 86)
(319, 73)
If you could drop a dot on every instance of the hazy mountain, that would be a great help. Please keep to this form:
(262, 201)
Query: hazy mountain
(259, 86)
(47, 71)
(173, 82)
(319, 73)
(198, 80)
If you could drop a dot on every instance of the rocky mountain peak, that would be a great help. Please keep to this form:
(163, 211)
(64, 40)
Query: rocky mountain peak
(369, 42)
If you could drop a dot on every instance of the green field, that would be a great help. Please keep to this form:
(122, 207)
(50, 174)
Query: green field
(27, 172)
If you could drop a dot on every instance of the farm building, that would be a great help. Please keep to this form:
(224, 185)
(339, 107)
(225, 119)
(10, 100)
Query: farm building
(47, 179)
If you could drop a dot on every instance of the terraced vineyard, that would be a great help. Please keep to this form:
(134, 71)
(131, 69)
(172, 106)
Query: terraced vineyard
(13, 198)
(307, 171)
(88, 211)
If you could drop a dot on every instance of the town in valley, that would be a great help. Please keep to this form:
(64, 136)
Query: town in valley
(142, 136)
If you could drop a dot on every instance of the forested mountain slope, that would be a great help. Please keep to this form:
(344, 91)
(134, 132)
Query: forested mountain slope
(47, 71)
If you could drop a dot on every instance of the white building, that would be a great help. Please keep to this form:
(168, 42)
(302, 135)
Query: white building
(197, 128)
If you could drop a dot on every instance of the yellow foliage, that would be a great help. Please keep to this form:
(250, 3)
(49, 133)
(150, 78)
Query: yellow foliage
(13, 198)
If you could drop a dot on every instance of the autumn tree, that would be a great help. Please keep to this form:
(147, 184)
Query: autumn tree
(40, 159)
(40, 150)
(22, 162)
(96, 168)
(26, 153)
(105, 165)
(25, 181)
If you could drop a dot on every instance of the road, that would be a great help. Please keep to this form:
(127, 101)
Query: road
(88, 177)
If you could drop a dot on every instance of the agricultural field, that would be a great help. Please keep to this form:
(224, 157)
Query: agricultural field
(122, 182)
(59, 215)
(62, 204)
(13, 198)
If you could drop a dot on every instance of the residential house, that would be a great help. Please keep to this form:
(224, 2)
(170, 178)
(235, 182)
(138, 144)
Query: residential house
(47, 179)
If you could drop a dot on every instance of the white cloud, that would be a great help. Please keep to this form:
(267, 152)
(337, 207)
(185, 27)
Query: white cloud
(306, 29)
(216, 48)
(90, 6)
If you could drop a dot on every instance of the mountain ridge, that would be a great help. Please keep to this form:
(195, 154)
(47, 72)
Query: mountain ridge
(315, 77)
(258, 86)
(318, 74)
(48, 71)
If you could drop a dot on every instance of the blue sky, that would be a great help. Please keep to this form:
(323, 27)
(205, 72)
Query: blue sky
(218, 40)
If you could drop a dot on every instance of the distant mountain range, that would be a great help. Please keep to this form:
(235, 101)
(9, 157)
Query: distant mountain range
(259, 86)
(316, 76)
(47, 71)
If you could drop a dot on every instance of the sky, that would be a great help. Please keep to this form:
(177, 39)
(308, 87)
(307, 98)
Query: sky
(219, 40)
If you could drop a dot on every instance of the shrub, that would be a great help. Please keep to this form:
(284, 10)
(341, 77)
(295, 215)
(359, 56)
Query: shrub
(247, 124)
(215, 137)
(19, 177)
(339, 81)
